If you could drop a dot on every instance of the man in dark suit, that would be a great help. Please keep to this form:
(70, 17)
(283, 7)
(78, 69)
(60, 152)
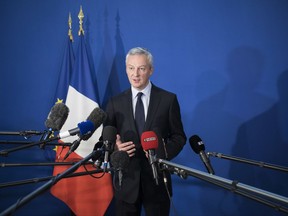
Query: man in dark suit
(161, 114)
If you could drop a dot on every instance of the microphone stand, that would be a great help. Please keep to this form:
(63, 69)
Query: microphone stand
(49, 184)
(6, 152)
(36, 180)
(39, 164)
(16, 142)
(233, 186)
(252, 162)
(21, 133)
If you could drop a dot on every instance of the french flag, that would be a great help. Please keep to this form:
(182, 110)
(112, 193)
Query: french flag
(84, 195)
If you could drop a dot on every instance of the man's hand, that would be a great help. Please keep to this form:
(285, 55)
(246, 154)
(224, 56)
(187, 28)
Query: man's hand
(129, 147)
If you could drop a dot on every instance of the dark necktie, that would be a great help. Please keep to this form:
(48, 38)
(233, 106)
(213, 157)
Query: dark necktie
(139, 114)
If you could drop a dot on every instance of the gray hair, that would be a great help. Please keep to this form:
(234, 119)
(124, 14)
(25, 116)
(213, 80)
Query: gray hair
(141, 51)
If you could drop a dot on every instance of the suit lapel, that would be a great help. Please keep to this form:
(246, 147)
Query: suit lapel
(153, 106)
(129, 109)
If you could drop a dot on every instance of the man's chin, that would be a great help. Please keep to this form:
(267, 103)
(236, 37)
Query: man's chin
(137, 85)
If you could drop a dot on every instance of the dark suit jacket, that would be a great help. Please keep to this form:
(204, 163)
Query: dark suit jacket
(164, 119)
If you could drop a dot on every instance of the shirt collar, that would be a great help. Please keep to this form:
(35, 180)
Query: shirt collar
(146, 91)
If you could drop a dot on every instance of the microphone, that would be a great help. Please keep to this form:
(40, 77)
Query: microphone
(97, 117)
(85, 129)
(109, 140)
(98, 158)
(73, 147)
(55, 120)
(149, 142)
(120, 161)
(198, 147)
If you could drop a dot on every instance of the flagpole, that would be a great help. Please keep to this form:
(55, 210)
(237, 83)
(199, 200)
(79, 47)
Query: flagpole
(70, 28)
(81, 17)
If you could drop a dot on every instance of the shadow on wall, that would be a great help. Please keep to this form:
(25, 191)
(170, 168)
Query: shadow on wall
(117, 81)
(219, 117)
(265, 138)
(111, 75)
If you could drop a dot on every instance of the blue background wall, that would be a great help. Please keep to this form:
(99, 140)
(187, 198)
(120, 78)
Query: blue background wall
(226, 60)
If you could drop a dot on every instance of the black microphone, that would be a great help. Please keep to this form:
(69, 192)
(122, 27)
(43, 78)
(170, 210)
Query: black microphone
(85, 129)
(55, 120)
(73, 147)
(109, 140)
(120, 161)
(149, 142)
(98, 158)
(198, 147)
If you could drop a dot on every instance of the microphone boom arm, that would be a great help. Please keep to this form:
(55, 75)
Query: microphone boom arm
(21, 133)
(17, 142)
(47, 185)
(234, 186)
(6, 152)
(37, 180)
(248, 161)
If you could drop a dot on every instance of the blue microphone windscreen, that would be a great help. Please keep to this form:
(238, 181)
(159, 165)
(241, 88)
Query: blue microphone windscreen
(86, 127)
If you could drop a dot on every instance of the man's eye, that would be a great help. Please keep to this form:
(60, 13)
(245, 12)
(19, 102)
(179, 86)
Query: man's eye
(142, 69)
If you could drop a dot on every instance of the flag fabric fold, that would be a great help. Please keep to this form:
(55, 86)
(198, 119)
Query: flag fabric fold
(65, 72)
(85, 195)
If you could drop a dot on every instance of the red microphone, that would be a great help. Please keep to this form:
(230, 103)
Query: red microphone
(149, 142)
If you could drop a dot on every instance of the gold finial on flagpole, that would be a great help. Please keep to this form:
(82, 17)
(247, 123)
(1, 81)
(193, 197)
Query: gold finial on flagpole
(70, 27)
(81, 16)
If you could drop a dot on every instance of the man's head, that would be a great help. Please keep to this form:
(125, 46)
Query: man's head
(139, 67)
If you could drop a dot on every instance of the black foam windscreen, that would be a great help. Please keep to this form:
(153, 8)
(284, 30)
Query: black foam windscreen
(120, 160)
(109, 134)
(196, 144)
(57, 116)
(97, 117)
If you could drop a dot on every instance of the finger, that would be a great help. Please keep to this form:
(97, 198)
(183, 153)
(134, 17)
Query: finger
(118, 138)
(131, 152)
(127, 148)
(131, 155)
(127, 144)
